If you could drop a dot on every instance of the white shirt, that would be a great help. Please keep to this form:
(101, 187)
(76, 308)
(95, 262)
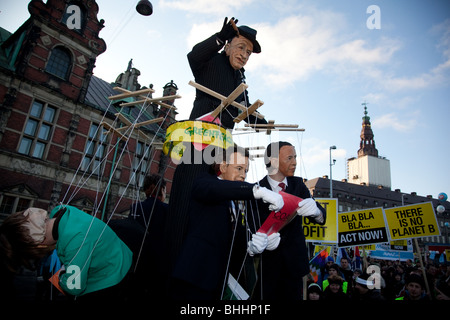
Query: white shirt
(274, 185)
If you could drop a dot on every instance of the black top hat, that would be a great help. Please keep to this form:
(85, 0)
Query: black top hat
(250, 34)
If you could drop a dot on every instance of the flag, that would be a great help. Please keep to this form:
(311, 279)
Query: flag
(442, 258)
(342, 253)
(356, 262)
(318, 262)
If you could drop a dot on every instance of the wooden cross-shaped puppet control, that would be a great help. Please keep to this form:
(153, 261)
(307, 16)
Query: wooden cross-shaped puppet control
(143, 99)
(226, 101)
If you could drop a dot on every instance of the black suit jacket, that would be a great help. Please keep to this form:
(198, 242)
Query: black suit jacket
(214, 71)
(282, 270)
(204, 255)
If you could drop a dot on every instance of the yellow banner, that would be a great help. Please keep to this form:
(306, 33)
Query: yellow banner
(361, 227)
(326, 233)
(412, 221)
(197, 132)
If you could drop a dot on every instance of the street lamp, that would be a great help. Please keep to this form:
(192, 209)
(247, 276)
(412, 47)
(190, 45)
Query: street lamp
(331, 171)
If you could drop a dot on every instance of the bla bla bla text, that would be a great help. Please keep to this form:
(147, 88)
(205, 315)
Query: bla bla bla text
(354, 220)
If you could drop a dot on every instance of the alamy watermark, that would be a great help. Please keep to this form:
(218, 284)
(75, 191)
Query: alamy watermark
(374, 20)
(74, 20)
(74, 280)
(374, 280)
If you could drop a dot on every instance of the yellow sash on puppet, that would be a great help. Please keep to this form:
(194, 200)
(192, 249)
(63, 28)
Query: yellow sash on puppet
(200, 133)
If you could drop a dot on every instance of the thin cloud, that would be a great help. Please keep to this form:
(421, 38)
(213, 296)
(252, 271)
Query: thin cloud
(436, 76)
(298, 46)
(405, 123)
(206, 6)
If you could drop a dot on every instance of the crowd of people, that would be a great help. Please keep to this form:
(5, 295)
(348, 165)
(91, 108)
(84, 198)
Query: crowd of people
(390, 280)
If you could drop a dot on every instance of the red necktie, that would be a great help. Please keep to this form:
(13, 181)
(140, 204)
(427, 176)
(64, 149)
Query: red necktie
(282, 186)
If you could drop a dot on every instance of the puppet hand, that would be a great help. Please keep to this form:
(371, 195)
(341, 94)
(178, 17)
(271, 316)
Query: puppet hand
(257, 244)
(227, 32)
(308, 208)
(273, 241)
(268, 196)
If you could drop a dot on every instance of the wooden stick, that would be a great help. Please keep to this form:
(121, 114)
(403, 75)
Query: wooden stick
(221, 97)
(254, 156)
(256, 148)
(258, 155)
(250, 110)
(427, 286)
(129, 93)
(293, 130)
(264, 129)
(140, 124)
(157, 145)
(144, 123)
(271, 125)
(227, 101)
(123, 119)
(149, 100)
(111, 129)
(165, 105)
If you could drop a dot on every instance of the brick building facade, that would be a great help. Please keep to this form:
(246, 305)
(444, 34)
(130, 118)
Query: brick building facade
(53, 147)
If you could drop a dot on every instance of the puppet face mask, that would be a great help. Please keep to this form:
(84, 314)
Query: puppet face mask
(36, 223)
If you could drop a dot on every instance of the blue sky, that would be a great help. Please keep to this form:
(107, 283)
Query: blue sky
(319, 62)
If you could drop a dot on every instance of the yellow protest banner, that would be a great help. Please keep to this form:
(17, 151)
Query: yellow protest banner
(199, 132)
(412, 221)
(326, 233)
(361, 227)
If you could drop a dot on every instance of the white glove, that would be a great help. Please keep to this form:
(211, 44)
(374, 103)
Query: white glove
(273, 241)
(308, 208)
(257, 244)
(268, 196)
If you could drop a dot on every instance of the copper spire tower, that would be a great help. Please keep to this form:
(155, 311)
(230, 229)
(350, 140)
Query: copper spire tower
(367, 144)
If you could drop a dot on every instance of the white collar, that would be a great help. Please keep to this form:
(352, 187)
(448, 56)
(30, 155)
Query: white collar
(274, 185)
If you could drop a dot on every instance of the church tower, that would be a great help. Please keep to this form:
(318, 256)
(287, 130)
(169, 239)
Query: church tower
(367, 144)
(368, 168)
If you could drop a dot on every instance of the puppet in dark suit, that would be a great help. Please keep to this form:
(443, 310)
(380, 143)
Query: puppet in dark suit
(281, 270)
(221, 72)
(202, 267)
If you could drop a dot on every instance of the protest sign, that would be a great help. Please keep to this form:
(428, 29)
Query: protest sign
(395, 250)
(326, 233)
(412, 221)
(361, 227)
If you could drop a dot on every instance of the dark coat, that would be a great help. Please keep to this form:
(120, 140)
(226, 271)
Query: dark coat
(204, 255)
(214, 71)
(283, 268)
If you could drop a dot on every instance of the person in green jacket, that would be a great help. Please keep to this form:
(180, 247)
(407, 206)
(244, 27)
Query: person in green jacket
(93, 256)
(334, 271)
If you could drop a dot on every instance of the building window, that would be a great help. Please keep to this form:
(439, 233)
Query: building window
(12, 203)
(59, 63)
(94, 151)
(141, 162)
(38, 130)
